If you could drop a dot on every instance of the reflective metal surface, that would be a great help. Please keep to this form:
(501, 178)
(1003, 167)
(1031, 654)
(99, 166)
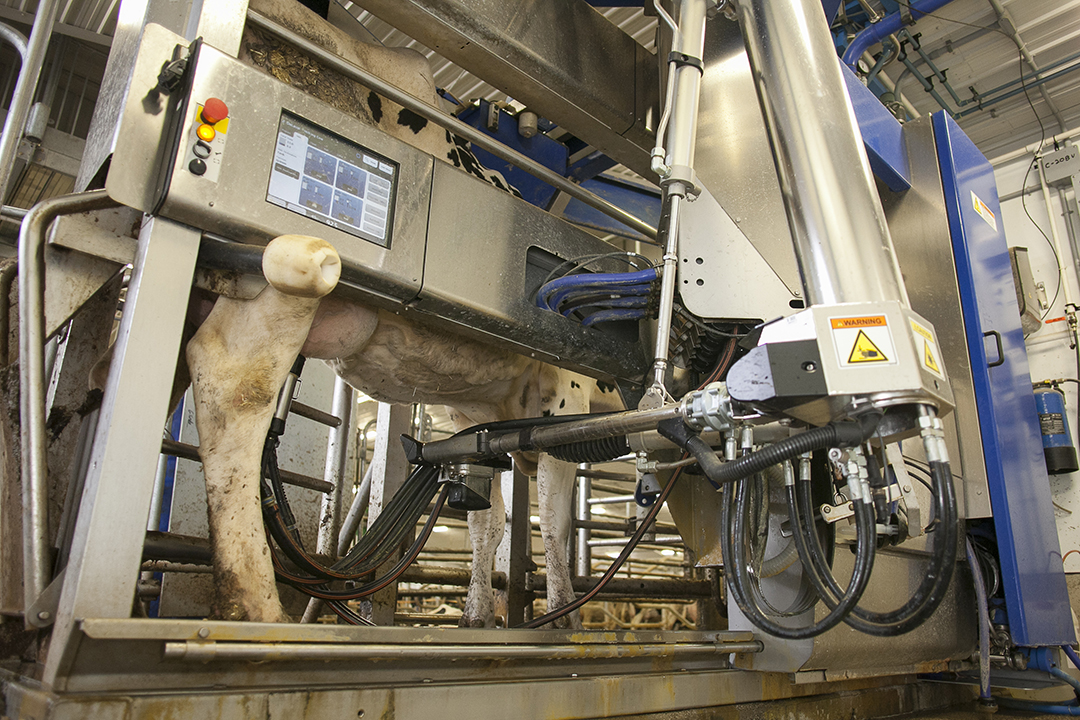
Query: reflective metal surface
(131, 22)
(103, 568)
(33, 56)
(487, 252)
(920, 233)
(842, 242)
(561, 58)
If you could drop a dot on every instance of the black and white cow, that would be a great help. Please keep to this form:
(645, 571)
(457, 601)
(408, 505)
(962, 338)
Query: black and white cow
(241, 354)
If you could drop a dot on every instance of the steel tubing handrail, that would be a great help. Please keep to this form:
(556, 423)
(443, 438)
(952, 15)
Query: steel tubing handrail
(32, 381)
(206, 651)
(465, 130)
(23, 97)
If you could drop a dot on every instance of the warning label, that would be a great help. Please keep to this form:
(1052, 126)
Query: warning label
(984, 210)
(930, 356)
(863, 340)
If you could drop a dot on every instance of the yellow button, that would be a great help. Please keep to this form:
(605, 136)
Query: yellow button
(206, 132)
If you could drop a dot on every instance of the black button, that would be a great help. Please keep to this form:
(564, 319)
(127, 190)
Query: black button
(197, 166)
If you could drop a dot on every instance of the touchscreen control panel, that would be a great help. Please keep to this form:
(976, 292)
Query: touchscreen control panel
(333, 181)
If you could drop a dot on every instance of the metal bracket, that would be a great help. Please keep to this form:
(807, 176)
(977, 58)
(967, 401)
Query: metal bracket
(907, 489)
(43, 611)
(835, 513)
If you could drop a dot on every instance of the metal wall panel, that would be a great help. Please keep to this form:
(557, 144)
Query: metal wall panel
(1035, 592)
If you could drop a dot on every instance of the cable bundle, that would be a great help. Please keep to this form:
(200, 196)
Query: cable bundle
(599, 297)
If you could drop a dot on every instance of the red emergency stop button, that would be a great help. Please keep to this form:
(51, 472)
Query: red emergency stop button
(214, 111)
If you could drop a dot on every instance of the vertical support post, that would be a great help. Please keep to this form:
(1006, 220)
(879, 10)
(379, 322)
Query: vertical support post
(103, 568)
(513, 557)
(29, 73)
(337, 455)
(583, 555)
(389, 468)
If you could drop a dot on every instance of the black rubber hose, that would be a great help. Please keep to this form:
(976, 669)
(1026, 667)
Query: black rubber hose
(679, 433)
(591, 451)
(844, 433)
(740, 581)
(931, 590)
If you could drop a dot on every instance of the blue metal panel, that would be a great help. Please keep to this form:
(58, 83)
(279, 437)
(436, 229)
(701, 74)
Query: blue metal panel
(1036, 596)
(882, 135)
(639, 201)
(549, 153)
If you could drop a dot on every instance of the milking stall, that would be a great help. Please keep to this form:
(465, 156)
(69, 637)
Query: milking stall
(664, 359)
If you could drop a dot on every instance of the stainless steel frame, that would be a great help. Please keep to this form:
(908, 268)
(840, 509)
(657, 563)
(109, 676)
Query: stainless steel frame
(33, 56)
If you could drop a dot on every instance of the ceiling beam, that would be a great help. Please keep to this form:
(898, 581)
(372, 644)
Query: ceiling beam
(10, 14)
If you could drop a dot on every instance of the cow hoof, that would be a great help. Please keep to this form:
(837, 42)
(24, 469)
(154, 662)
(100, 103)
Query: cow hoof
(301, 265)
(473, 622)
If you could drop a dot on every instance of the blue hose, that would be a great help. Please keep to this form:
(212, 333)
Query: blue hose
(611, 303)
(1029, 706)
(555, 301)
(885, 27)
(1072, 655)
(600, 281)
(1068, 708)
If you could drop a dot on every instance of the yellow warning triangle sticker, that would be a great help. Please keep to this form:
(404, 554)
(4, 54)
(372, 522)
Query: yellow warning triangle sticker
(928, 358)
(865, 351)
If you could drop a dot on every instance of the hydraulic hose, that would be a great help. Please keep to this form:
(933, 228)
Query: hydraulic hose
(844, 433)
(931, 590)
(733, 546)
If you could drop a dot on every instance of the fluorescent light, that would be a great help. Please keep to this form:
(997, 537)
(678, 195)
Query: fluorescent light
(599, 510)
(667, 551)
(613, 553)
(440, 528)
(534, 518)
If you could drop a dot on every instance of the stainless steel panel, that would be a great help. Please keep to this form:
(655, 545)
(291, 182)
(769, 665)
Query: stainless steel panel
(920, 232)
(475, 277)
(721, 273)
(133, 19)
(107, 543)
(733, 157)
(561, 58)
(235, 204)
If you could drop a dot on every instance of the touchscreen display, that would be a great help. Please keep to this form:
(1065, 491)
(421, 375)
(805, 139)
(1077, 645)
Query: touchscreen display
(331, 180)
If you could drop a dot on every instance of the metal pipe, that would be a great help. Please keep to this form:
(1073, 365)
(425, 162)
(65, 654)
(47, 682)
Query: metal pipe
(989, 102)
(658, 540)
(203, 652)
(1008, 26)
(306, 411)
(337, 455)
(466, 131)
(190, 452)
(885, 27)
(32, 381)
(1065, 287)
(355, 514)
(23, 98)
(15, 38)
(582, 554)
(841, 239)
(611, 499)
(681, 141)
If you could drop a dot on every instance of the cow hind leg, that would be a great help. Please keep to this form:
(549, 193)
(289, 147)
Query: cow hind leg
(239, 360)
(555, 487)
(485, 533)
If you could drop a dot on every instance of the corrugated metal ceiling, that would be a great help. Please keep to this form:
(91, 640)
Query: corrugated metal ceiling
(963, 38)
